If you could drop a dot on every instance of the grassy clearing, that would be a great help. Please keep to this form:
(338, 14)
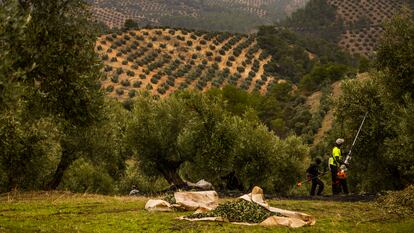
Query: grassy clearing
(65, 212)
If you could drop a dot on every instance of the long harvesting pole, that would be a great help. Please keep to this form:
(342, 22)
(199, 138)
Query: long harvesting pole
(349, 156)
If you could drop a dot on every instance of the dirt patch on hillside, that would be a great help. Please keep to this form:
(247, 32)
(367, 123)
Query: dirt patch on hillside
(314, 101)
(329, 117)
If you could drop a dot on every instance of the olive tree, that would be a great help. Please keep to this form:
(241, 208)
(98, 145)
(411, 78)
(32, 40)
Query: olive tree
(168, 132)
(28, 147)
(62, 71)
(192, 135)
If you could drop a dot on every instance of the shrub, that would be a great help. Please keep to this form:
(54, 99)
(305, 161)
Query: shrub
(161, 90)
(132, 93)
(124, 62)
(105, 57)
(137, 84)
(154, 80)
(82, 176)
(170, 82)
(130, 73)
(108, 68)
(240, 69)
(125, 83)
(142, 76)
(119, 71)
(119, 91)
(110, 88)
(115, 79)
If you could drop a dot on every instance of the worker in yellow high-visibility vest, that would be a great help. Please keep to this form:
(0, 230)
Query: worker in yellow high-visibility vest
(335, 161)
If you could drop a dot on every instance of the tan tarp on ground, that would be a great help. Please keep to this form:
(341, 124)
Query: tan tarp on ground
(198, 201)
(208, 200)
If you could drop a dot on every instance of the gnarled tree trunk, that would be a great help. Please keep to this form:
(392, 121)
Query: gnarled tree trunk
(67, 159)
(170, 172)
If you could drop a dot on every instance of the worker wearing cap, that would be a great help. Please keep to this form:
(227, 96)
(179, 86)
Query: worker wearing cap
(335, 161)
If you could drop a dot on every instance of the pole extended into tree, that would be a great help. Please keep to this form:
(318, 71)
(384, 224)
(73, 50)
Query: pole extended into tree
(349, 156)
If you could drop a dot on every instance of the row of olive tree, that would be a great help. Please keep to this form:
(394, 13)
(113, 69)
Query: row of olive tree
(192, 136)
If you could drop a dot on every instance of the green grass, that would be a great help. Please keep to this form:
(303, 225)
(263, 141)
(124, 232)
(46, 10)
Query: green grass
(66, 212)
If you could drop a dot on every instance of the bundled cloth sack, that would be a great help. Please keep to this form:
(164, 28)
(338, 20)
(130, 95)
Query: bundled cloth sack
(192, 201)
(203, 202)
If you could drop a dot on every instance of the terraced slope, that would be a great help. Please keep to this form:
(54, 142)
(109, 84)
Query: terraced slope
(363, 22)
(164, 60)
(178, 12)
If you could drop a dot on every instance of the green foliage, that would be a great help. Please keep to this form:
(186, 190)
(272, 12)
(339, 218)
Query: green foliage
(238, 211)
(323, 75)
(317, 18)
(259, 158)
(396, 55)
(29, 151)
(134, 177)
(83, 177)
(290, 53)
(194, 135)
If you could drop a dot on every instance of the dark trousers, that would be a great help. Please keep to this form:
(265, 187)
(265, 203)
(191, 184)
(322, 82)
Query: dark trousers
(338, 185)
(315, 182)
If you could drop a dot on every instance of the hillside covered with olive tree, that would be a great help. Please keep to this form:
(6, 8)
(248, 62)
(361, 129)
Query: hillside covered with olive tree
(212, 15)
